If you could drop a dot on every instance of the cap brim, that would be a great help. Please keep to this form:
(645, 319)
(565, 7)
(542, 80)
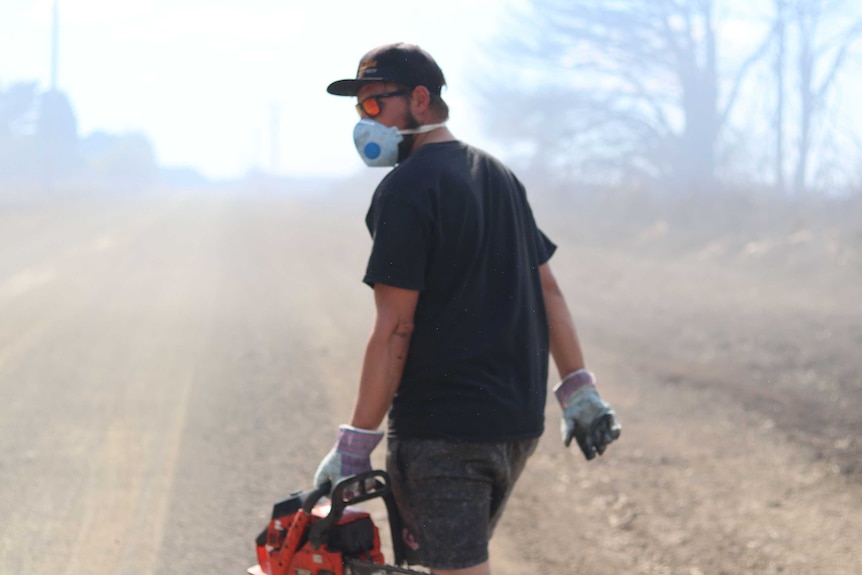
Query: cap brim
(350, 87)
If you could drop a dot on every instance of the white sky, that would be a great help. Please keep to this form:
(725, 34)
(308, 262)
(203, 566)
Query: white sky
(200, 78)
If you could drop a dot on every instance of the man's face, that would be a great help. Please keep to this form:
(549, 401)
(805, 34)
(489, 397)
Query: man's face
(394, 109)
(391, 107)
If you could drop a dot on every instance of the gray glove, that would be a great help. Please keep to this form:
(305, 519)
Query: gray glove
(350, 455)
(586, 417)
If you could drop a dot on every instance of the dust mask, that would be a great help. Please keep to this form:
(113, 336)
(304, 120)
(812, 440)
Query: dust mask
(378, 144)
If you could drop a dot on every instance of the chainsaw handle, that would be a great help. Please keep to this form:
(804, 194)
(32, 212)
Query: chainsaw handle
(348, 491)
(358, 488)
(341, 496)
(310, 498)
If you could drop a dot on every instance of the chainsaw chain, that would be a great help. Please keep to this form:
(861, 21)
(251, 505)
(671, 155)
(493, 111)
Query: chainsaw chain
(364, 568)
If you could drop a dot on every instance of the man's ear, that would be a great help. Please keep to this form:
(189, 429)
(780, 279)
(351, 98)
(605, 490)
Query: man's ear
(420, 101)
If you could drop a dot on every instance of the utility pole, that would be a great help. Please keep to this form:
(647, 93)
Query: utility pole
(57, 127)
(47, 115)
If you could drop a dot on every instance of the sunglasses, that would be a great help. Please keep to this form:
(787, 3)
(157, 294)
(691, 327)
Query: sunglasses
(371, 105)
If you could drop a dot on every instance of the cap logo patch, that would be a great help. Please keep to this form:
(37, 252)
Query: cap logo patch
(369, 67)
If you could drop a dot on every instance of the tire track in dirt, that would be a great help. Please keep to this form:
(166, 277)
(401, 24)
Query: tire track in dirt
(96, 467)
(261, 414)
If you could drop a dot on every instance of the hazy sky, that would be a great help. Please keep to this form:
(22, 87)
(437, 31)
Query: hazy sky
(201, 78)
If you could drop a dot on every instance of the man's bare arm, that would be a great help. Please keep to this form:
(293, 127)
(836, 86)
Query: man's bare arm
(565, 346)
(385, 354)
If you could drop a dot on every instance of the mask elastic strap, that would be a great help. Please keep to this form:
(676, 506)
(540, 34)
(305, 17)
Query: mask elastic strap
(423, 129)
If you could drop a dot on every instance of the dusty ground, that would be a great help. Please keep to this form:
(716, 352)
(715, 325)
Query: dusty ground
(171, 365)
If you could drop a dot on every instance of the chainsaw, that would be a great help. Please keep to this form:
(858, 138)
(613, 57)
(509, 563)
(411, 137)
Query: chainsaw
(307, 536)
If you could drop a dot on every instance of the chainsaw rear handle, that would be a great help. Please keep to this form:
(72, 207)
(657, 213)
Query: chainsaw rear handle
(353, 490)
(310, 498)
(350, 490)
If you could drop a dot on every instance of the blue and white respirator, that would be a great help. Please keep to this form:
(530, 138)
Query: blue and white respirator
(378, 144)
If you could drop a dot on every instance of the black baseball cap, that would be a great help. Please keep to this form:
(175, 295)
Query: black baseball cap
(399, 63)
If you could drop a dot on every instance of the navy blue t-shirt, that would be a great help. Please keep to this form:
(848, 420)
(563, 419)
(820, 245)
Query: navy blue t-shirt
(454, 223)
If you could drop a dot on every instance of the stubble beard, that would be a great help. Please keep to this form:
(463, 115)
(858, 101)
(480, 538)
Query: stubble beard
(405, 146)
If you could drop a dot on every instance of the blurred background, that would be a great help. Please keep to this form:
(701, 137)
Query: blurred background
(182, 240)
(674, 95)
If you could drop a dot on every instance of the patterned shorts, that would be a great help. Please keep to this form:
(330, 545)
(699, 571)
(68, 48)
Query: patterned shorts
(451, 494)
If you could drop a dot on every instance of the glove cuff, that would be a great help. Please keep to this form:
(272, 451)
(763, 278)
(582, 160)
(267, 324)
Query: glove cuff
(357, 442)
(567, 390)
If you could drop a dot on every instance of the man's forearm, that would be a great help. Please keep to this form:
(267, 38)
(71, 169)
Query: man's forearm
(565, 345)
(385, 356)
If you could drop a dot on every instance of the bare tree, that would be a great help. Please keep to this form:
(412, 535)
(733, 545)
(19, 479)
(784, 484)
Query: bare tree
(57, 136)
(825, 36)
(17, 108)
(18, 116)
(641, 82)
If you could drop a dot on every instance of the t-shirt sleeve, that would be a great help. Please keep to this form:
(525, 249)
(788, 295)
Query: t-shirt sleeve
(544, 247)
(401, 234)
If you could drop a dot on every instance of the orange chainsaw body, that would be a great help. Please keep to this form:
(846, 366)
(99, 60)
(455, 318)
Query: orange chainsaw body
(286, 548)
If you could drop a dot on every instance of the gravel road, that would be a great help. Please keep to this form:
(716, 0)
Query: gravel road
(172, 364)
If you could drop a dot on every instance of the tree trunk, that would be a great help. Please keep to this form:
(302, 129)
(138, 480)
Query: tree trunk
(806, 22)
(779, 93)
(700, 104)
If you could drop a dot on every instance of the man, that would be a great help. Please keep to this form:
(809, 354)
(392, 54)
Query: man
(467, 312)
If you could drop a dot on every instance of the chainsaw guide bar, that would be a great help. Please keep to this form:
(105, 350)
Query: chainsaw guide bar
(356, 567)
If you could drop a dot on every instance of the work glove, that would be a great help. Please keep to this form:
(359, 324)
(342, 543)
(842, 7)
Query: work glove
(586, 417)
(350, 455)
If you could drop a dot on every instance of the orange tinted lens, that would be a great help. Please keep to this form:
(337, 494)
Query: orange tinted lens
(371, 106)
